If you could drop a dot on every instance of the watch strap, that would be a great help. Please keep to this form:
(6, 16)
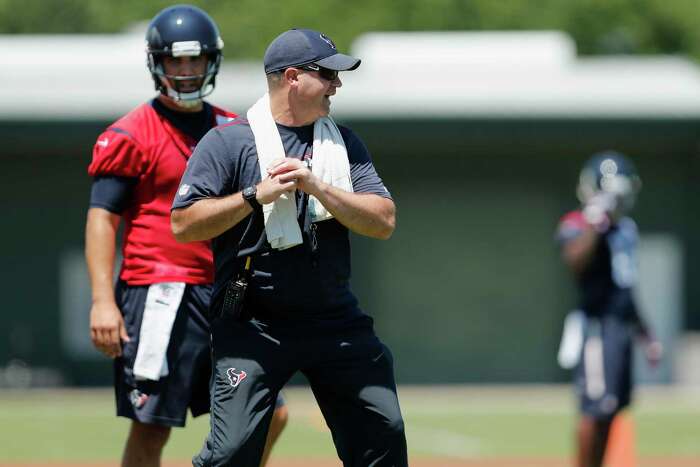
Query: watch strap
(249, 194)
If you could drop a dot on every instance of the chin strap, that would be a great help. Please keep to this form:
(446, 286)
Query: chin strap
(186, 100)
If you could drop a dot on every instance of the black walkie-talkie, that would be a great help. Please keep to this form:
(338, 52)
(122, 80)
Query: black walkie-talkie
(235, 293)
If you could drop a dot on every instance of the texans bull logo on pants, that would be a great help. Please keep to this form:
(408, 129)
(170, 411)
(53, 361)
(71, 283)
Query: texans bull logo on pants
(236, 377)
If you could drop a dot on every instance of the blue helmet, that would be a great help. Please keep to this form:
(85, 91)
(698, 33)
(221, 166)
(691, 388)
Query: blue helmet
(183, 31)
(609, 172)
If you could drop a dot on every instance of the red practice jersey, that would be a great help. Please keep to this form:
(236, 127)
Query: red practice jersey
(146, 146)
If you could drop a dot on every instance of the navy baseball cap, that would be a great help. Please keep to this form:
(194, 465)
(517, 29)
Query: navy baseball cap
(298, 47)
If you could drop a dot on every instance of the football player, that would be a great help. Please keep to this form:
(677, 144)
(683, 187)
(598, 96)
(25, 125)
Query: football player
(599, 245)
(155, 322)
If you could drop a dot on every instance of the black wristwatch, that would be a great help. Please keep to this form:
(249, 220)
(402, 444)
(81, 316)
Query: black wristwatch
(249, 194)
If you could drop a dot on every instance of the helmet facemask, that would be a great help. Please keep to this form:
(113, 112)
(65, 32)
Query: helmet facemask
(173, 85)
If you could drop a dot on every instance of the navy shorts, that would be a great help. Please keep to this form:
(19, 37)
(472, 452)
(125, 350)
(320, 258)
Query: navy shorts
(604, 373)
(165, 402)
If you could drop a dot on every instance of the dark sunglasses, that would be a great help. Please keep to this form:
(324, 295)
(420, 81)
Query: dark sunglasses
(325, 73)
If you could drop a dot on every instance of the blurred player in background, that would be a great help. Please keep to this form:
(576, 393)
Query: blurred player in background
(155, 324)
(599, 245)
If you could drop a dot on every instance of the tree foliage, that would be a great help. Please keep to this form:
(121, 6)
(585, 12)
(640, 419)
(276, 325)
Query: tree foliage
(598, 26)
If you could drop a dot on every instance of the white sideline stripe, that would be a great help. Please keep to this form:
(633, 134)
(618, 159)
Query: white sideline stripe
(443, 442)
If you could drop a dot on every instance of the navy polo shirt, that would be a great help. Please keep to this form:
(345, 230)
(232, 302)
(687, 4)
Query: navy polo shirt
(291, 282)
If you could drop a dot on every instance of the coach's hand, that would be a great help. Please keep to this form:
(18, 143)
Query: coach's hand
(273, 186)
(107, 328)
(291, 169)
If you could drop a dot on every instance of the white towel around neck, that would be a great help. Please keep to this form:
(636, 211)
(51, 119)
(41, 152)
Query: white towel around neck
(330, 165)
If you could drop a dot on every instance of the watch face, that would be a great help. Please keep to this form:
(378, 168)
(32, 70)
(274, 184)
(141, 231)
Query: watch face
(249, 192)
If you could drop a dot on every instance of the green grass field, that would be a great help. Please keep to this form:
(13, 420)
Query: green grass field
(457, 422)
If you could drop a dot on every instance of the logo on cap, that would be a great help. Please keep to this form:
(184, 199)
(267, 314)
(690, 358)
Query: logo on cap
(327, 40)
